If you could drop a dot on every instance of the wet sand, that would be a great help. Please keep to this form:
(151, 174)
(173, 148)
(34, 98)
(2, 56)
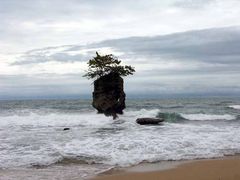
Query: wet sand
(54, 172)
(214, 169)
(217, 169)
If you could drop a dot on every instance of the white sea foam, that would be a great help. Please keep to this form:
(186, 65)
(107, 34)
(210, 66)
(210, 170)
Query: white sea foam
(208, 117)
(235, 107)
(142, 113)
(31, 133)
(39, 139)
(54, 119)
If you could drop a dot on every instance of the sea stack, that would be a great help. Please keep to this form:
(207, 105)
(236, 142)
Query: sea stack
(108, 95)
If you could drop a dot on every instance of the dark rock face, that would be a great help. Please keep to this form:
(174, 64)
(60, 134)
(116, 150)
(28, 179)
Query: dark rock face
(145, 121)
(108, 95)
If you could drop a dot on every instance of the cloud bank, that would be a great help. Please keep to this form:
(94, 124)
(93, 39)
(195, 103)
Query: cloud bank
(31, 24)
(194, 62)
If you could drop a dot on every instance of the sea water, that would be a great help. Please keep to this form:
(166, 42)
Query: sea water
(32, 135)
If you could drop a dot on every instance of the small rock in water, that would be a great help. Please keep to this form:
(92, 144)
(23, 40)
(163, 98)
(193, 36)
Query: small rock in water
(145, 121)
(66, 129)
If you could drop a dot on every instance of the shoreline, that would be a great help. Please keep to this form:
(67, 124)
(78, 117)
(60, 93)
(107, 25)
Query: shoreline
(222, 168)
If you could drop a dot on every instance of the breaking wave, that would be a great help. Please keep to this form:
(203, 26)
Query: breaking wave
(174, 117)
(208, 117)
(36, 137)
(170, 117)
(235, 107)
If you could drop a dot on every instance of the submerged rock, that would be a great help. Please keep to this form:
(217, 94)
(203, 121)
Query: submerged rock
(108, 95)
(66, 129)
(145, 121)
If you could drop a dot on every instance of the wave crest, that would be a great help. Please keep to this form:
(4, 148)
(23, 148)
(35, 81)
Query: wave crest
(174, 117)
(170, 117)
(208, 117)
(235, 107)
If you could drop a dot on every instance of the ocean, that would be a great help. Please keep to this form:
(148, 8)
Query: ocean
(32, 135)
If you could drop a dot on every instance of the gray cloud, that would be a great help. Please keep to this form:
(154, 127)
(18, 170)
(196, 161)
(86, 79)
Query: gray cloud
(32, 24)
(43, 85)
(207, 61)
(42, 58)
(212, 46)
(193, 3)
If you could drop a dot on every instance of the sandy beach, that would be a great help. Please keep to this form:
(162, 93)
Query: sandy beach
(227, 168)
(213, 169)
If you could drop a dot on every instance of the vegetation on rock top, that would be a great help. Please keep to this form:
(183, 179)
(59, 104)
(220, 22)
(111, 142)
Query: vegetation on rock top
(103, 65)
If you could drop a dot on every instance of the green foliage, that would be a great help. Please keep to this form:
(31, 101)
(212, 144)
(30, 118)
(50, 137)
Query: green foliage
(102, 65)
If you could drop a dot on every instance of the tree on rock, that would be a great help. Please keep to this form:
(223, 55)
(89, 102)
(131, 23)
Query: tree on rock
(108, 95)
(103, 65)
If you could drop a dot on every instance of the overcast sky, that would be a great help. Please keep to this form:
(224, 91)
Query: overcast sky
(178, 47)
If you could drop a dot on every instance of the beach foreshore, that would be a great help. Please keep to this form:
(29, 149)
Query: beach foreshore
(227, 168)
